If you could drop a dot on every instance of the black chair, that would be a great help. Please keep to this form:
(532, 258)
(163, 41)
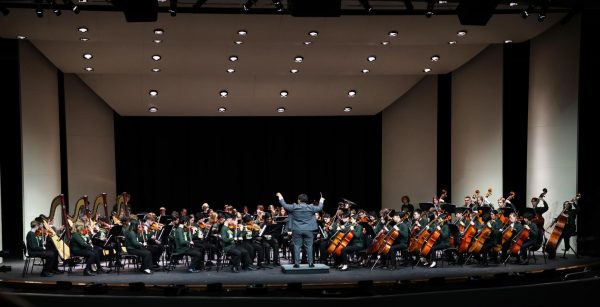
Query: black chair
(30, 260)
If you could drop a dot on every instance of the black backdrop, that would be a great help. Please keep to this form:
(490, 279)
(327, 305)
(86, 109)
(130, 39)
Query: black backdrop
(184, 161)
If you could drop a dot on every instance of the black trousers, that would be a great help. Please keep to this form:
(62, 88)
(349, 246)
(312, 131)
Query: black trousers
(197, 255)
(566, 235)
(255, 250)
(156, 251)
(91, 256)
(393, 249)
(239, 254)
(50, 260)
(437, 247)
(267, 246)
(145, 254)
(525, 246)
(303, 238)
(348, 250)
(323, 246)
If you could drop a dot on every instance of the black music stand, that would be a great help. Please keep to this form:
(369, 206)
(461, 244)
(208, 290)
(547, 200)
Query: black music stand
(527, 212)
(115, 235)
(449, 208)
(165, 219)
(461, 210)
(163, 237)
(280, 219)
(507, 211)
(425, 206)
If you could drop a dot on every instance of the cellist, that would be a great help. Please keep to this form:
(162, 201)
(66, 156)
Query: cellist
(357, 243)
(492, 240)
(401, 242)
(533, 235)
(516, 228)
(442, 243)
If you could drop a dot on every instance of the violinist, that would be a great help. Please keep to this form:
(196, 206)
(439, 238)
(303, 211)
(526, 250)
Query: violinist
(36, 247)
(150, 232)
(326, 237)
(135, 247)
(269, 242)
(250, 241)
(468, 202)
(184, 244)
(571, 210)
(81, 245)
(205, 211)
(357, 243)
(238, 254)
(401, 241)
(531, 240)
(406, 205)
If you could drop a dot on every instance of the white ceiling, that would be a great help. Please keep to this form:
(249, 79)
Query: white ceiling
(195, 52)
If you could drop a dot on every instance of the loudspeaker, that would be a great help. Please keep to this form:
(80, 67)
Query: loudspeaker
(315, 8)
(138, 10)
(476, 12)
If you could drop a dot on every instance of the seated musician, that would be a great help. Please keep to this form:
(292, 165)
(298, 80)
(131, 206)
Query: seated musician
(493, 239)
(357, 243)
(212, 243)
(328, 230)
(401, 241)
(81, 245)
(269, 242)
(36, 247)
(406, 205)
(250, 243)
(205, 211)
(531, 240)
(184, 244)
(238, 254)
(516, 227)
(135, 247)
(442, 243)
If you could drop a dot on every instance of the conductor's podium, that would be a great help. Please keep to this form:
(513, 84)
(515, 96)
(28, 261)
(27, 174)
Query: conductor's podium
(304, 269)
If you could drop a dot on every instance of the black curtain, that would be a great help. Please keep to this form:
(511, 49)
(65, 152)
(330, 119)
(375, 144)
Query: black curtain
(181, 162)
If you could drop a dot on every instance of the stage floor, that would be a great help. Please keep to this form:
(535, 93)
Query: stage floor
(276, 277)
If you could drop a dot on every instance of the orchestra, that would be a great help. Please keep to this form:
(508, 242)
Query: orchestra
(476, 232)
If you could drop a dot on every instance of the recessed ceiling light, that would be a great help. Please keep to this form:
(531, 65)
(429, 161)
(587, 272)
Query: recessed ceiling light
(513, 4)
(393, 33)
(230, 70)
(223, 93)
(87, 56)
(452, 43)
(461, 33)
(156, 57)
(307, 43)
(435, 58)
(238, 42)
(89, 69)
(313, 33)
(84, 39)
(298, 59)
(281, 109)
(153, 93)
(159, 31)
(21, 37)
(222, 109)
(242, 32)
(385, 43)
(442, 2)
(158, 41)
(351, 93)
(427, 70)
(155, 69)
(152, 109)
(371, 58)
(347, 109)
(82, 29)
(283, 94)
(294, 70)
(365, 71)
(508, 41)
(233, 58)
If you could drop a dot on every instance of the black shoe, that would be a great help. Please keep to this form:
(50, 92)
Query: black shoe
(46, 274)
(87, 272)
(58, 272)
(103, 270)
(296, 266)
(311, 265)
(252, 268)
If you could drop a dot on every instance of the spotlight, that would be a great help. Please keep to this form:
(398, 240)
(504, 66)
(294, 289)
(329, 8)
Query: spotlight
(249, 4)
(283, 94)
(541, 17)
(385, 43)
(365, 71)
(233, 58)
(278, 5)
(294, 70)
(153, 93)
(347, 109)
(513, 4)
(427, 70)
(452, 43)
(156, 57)
(371, 58)
(82, 29)
(429, 12)
(223, 93)
(508, 41)
(352, 93)
(89, 69)
(4, 11)
(155, 69)
(306, 43)
(72, 6)
(75, 9)
(542, 14)
(157, 41)
(298, 59)
(393, 33)
(313, 33)
(365, 4)
(55, 8)
(525, 13)
(242, 32)
(21, 37)
(159, 31)
(222, 109)
(87, 56)
(39, 12)
(281, 109)
(239, 42)
(230, 70)
(152, 109)
(461, 33)
(84, 39)
(173, 8)
(435, 58)
(57, 12)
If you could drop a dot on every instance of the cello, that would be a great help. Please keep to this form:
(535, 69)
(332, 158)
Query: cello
(417, 241)
(538, 219)
(518, 241)
(390, 237)
(561, 222)
(502, 217)
(426, 248)
(467, 235)
(475, 248)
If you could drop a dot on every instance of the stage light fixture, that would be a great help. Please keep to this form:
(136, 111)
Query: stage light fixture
(89, 69)
(157, 41)
(435, 58)
(542, 13)
(427, 70)
(84, 39)
(72, 6)
(223, 93)
(153, 93)
(385, 43)
(173, 8)
(21, 37)
(313, 33)
(451, 43)
(152, 109)
(278, 5)
(222, 109)
(442, 2)
(366, 5)
(54, 7)
(461, 33)
(365, 71)
(298, 59)
(233, 58)
(159, 31)
(281, 109)
(429, 11)
(371, 58)
(352, 93)
(239, 42)
(294, 70)
(242, 32)
(508, 41)
(87, 56)
(347, 109)
(155, 69)
(249, 4)
(156, 57)
(306, 43)
(525, 13)
(283, 94)
(82, 29)
(393, 33)
(39, 12)
(513, 4)
(230, 70)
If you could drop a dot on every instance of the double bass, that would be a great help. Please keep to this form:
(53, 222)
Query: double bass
(561, 222)
(503, 219)
(538, 219)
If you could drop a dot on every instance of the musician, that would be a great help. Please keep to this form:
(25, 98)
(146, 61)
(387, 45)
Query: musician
(406, 205)
(238, 254)
(302, 223)
(401, 241)
(516, 228)
(250, 241)
(357, 243)
(135, 247)
(205, 211)
(468, 202)
(442, 243)
(183, 212)
(328, 230)
(162, 211)
(531, 240)
(269, 242)
(493, 239)
(571, 210)
(184, 244)
(150, 232)
(36, 247)
(81, 245)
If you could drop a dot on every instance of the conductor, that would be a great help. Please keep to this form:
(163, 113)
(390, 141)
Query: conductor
(302, 223)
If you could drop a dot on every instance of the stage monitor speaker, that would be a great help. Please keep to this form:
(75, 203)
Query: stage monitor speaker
(138, 10)
(315, 8)
(476, 12)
